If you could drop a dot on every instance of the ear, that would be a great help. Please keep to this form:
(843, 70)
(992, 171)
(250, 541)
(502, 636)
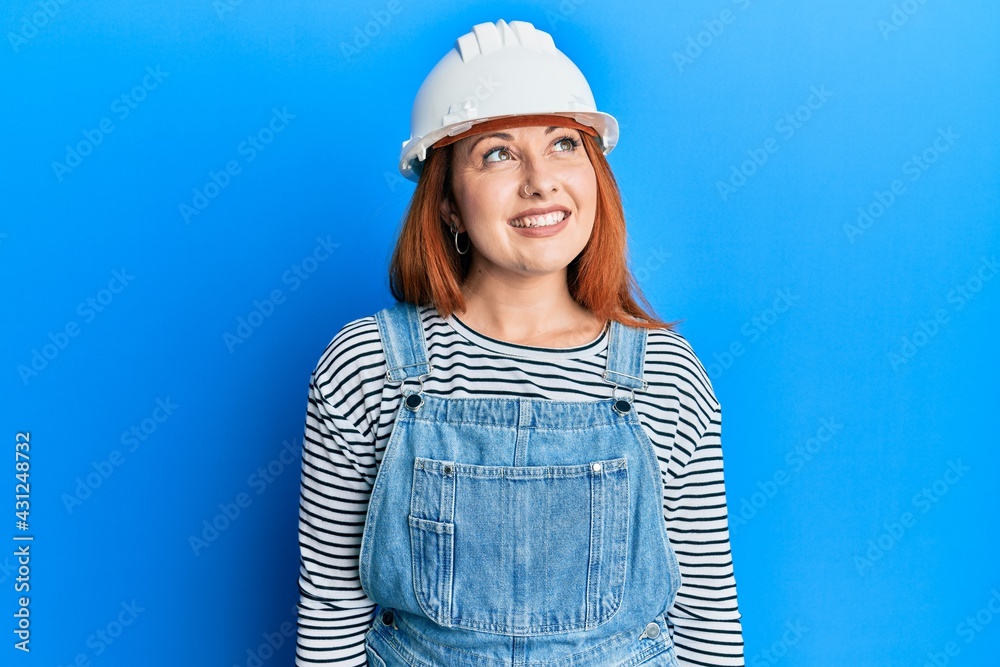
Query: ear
(449, 214)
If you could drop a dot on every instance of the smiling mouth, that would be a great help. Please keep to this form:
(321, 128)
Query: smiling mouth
(547, 220)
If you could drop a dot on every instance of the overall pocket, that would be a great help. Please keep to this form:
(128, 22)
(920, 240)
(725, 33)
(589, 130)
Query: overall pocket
(519, 550)
(373, 658)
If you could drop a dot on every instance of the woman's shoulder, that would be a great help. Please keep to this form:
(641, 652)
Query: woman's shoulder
(353, 355)
(357, 346)
(671, 358)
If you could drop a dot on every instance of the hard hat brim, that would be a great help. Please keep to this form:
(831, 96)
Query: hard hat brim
(604, 125)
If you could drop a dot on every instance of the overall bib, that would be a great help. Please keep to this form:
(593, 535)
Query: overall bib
(510, 532)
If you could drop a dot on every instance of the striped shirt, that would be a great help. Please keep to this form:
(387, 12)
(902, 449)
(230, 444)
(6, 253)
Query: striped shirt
(350, 416)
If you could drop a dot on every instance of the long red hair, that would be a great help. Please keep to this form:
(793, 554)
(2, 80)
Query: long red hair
(426, 268)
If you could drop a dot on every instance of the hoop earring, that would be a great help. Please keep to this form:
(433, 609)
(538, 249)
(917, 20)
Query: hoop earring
(454, 230)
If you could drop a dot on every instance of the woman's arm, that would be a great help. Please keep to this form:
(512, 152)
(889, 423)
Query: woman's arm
(337, 474)
(705, 616)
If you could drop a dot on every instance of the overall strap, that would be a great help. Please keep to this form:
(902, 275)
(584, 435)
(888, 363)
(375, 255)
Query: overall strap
(626, 356)
(403, 343)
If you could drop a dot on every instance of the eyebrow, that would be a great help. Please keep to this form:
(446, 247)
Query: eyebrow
(502, 135)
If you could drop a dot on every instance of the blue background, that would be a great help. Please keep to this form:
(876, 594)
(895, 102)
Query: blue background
(885, 328)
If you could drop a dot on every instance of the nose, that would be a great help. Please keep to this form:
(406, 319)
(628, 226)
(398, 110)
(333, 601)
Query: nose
(540, 177)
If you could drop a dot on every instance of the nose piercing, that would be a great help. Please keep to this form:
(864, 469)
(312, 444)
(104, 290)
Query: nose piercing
(526, 190)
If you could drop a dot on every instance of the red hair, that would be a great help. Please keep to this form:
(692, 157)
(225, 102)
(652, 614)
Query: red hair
(426, 268)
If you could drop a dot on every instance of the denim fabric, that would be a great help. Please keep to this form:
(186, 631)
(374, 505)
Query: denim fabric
(513, 531)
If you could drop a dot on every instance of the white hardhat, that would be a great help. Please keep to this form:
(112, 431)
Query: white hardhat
(498, 70)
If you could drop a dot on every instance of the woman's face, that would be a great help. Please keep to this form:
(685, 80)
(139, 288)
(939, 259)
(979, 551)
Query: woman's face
(489, 175)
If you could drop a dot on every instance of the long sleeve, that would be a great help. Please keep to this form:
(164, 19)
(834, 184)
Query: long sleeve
(337, 474)
(705, 617)
(349, 422)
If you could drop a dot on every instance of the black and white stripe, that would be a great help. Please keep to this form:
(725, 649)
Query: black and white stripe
(349, 420)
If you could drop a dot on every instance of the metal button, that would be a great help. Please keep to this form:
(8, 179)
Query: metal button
(414, 401)
(447, 470)
(596, 467)
(622, 406)
(388, 618)
(652, 630)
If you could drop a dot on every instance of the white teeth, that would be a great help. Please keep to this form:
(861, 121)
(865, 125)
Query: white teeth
(546, 220)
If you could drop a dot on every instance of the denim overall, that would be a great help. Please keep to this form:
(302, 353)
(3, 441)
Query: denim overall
(509, 532)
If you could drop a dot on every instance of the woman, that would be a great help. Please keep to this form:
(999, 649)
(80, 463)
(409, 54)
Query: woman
(516, 464)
